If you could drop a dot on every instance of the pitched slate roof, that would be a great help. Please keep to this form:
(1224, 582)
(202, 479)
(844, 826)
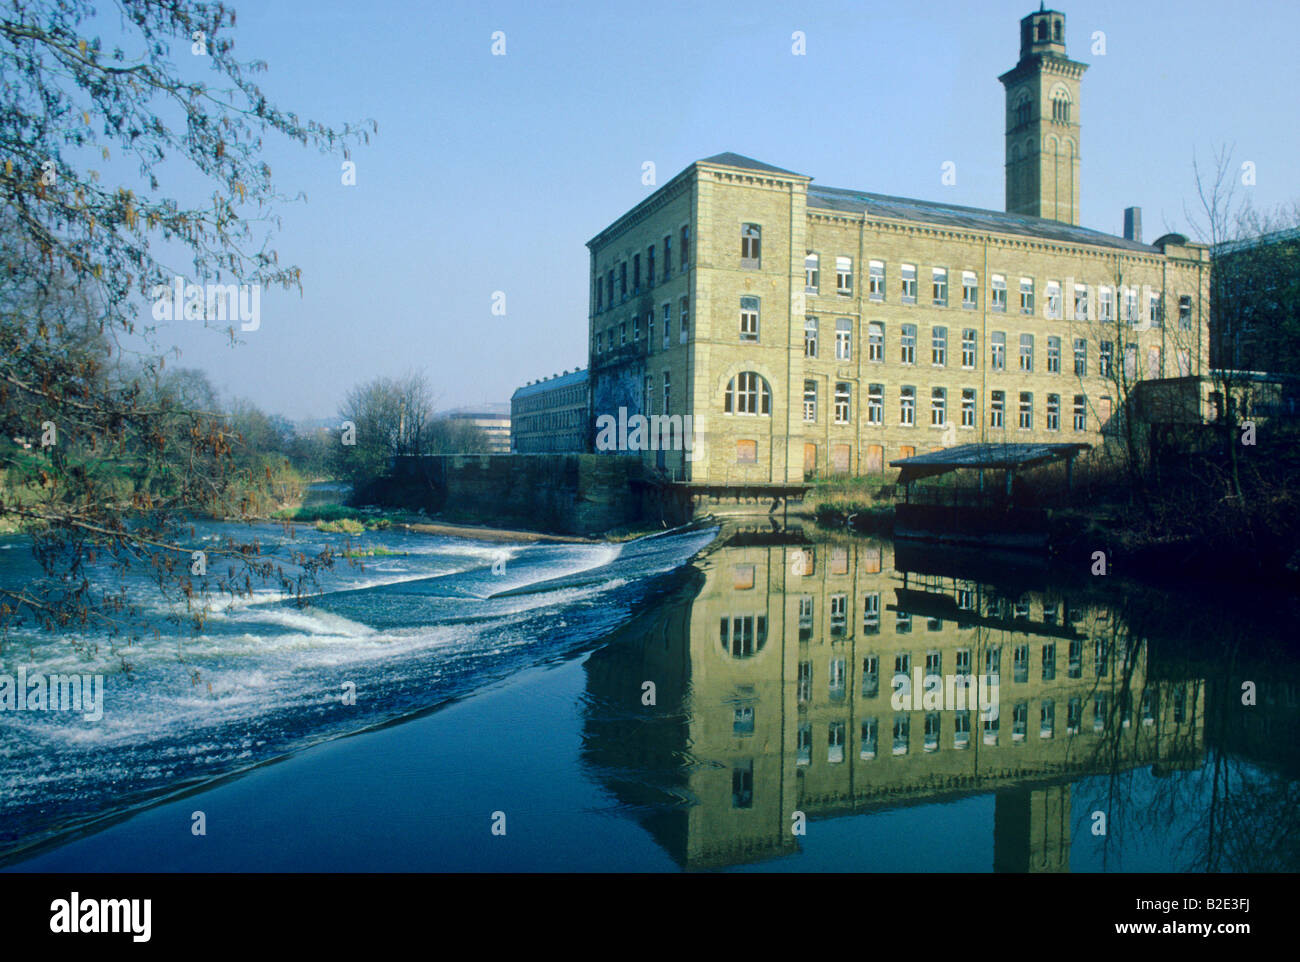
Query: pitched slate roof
(932, 212)
(564, 380)
(971, 218)
(729, 159)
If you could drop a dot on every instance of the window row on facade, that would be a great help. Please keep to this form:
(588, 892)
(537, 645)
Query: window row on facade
(641, 273)
(941, 347)
(1106, 711)
(1086, 302)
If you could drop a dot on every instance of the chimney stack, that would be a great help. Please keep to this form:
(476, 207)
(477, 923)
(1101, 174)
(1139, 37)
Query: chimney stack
(1133, 224)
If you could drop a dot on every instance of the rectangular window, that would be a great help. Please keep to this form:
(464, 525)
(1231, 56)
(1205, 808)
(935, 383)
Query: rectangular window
(968, 347)
(648, 398)
(907, 272)
(810, 400)
(843, 339)
(871, 625)
(806, 617)
(636, 273)
(938, 407)
(610, 299)
(1054, 299)
(871, 664)
(751, 239)
(1131, 371)
(844, 275)
(811, 273)
(636, 329)
(810, 336)
(685, 325)
(902, 728)
(1080, 412)
(970, 290)
(907, 343)
(1155, 312)
(742, 720)
(835, 742)
(1053, 355)
(1049, 661)
(742, 786)
(876, 280)
(869, 739)
(968, 407)
(1026, 411)
(1106, 358)
(1185, 312)
(998, 351)
(668, 257)
(622, 280)
(622, 334)
(939, 277)
(804, 690)
(749, 318)
(1053, 412)
(668, 324)
(875, 403)
(1026, 352)
(998, 293)
(1080, 302)
(668, 395)
(1020, 664)
(650, 266)
(1026, 295)
(997, 407)
(600, 296)
(939, 346)
(1080, 357)
(875, 341)
(686, 247)
(1106, 303)
(839, 619)
(907, 405)
(843, 395)
(1131, 305)
(932, 729)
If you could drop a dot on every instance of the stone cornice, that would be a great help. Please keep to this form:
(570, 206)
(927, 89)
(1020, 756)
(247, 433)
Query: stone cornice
(1047, 63)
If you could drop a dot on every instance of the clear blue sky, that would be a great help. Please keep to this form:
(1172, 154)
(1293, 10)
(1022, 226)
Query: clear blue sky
(490, 173)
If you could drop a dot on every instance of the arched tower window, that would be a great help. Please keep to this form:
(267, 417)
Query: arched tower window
(1021, 112)
(1061, 105)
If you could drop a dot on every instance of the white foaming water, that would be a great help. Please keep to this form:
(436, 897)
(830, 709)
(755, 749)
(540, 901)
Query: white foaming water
(266, 677)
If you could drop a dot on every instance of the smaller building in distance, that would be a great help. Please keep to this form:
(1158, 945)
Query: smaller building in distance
(550, 414)
(492, 419)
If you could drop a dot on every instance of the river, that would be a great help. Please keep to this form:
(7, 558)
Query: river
(709, 700)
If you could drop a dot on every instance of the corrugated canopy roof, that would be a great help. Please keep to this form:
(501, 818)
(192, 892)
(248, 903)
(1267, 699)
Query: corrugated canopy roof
(995, 457)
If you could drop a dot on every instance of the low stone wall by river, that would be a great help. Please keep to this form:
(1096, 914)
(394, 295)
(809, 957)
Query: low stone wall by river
(579, 494)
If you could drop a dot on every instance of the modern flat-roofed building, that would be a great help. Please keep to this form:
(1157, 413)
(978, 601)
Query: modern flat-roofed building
(809, 330)
(550, 415)
(492, 419)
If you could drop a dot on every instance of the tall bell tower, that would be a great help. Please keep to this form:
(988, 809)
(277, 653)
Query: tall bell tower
(1043, 122)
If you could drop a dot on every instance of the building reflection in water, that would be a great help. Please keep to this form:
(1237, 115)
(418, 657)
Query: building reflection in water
(772, 672)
